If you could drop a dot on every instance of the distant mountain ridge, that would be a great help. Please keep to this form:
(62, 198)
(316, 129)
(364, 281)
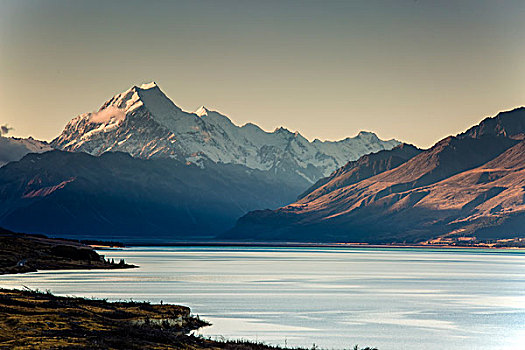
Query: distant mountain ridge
(363, 168)
(13, 148)
(145, 123)
(509, 124)
(116, 196)
(470, 185)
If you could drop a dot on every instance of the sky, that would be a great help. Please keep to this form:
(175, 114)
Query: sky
(412, 70)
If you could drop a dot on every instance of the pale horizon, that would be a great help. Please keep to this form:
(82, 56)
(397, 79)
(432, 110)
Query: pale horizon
(415, 71)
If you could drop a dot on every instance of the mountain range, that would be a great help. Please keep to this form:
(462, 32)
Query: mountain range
(468, 186)
(145, 123)
(142, 169)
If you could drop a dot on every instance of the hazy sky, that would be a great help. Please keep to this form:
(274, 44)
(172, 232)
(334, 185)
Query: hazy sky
(413, 70)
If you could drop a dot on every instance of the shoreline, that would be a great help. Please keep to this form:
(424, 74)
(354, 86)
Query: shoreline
(31, 318)
(313, 245)
(21, 253)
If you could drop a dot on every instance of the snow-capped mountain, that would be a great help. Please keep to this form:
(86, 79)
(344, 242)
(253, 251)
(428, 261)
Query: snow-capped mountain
(145, 123)
(13, 148)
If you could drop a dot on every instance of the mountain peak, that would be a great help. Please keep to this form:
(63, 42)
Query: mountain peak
(147, 86)
(201, 111)
(282, 129)
(136, 97)
(367, 134)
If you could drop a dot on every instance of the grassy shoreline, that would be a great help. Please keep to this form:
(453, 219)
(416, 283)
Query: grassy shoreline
(31, 319)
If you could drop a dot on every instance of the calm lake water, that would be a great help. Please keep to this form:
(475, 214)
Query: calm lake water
(333, 297)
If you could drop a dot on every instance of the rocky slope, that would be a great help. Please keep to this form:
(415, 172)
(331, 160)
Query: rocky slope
(363, 168)
(145, 123)
(468, 185)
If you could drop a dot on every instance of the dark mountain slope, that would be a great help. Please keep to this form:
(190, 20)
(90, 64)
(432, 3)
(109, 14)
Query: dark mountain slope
(115, 196)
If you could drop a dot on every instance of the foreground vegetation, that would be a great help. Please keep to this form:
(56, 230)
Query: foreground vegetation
(35, 320)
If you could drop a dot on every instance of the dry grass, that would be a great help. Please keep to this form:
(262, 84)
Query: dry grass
(36, 320)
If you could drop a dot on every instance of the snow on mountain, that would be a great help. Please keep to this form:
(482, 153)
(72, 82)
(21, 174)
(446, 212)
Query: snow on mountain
(145, 123)
(13, 148)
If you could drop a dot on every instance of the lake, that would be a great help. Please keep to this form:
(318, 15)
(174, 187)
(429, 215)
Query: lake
(331, 297)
